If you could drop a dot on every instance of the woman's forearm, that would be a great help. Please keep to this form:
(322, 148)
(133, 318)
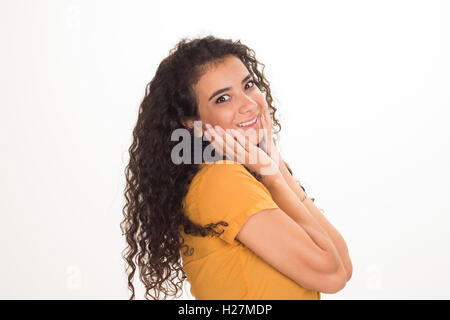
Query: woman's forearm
(288, 202)
(313, 211)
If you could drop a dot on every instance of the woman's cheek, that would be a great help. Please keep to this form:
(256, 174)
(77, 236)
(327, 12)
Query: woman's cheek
(225, 120)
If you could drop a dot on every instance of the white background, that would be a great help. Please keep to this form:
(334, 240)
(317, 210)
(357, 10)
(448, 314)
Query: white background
(362, 89)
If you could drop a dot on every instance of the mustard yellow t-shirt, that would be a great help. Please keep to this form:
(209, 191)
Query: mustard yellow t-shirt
(221, 267)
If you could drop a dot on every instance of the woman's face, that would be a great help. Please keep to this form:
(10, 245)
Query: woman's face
(227, 96)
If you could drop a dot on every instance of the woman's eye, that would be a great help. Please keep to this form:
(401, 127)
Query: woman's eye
(252, 82)
(220, 100)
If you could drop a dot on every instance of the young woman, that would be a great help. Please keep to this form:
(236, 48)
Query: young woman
(241, 228)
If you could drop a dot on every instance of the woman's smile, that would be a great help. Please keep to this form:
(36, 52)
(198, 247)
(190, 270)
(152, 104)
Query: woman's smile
(252, 124)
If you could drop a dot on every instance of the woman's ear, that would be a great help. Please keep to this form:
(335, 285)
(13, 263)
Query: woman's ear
(188, 123)
(194, 125)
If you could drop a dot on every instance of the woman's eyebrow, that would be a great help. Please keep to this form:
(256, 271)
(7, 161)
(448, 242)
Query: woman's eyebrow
(228, 88)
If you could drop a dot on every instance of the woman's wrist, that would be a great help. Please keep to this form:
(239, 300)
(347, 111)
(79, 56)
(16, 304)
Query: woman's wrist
(298, 190)
(270, 181)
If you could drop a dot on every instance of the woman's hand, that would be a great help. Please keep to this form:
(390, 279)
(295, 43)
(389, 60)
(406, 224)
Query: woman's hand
(237, 147)
(267, 143)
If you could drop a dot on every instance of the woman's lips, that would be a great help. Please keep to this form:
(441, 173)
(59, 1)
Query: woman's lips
(252, 126)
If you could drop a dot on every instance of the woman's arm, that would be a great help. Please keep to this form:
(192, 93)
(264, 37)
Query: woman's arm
(287, 238)
(313, 211)
(288, 202)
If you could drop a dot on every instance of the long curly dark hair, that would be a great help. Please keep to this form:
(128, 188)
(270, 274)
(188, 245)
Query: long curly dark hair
(155, 186)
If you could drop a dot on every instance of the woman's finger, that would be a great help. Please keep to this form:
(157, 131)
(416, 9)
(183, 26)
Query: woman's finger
(269, 140)
(261, 130)
(251, 151)
(224, 148)
(217, 141)
(258, 160)
(268, 122)
(263, 127)
(234, 151)
(268, 130)
(265, 144)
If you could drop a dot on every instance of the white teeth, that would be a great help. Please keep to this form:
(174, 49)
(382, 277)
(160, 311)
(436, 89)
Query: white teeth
(244, 124)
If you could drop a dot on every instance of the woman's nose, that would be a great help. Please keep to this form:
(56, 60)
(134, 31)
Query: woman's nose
(247, 104)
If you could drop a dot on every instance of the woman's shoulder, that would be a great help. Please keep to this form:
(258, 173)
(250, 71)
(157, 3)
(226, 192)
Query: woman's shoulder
(220, 167)
(218, 176)
(222, 173)
(213, 182)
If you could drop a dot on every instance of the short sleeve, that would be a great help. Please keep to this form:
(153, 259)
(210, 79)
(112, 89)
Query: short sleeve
(228, 192)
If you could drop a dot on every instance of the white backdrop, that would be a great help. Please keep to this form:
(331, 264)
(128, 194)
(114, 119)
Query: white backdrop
(363, 94)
